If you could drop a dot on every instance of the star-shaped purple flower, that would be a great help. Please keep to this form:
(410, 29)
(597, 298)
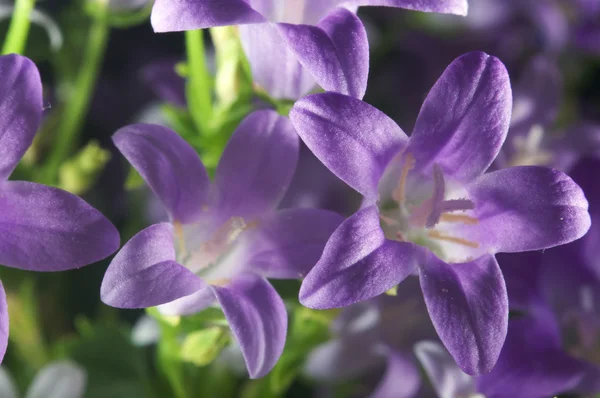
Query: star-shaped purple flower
(429, 207)
(225, 238)
(41, 228)
(312, 41)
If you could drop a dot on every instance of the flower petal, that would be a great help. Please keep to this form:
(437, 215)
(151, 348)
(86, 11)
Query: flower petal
(47, 229)
(179, 15)
(8, 388)
(522, 273)
(3, 322)
(60, 379)
(189, 305)
(336, 52)
(527, 208)
(258, 320)
(445, 376)
(21, 109)
(358, 263)
(531, 364)
(144, 273)
(353, 139)
(257, 165)
(464, 119)
(290, 242)
(169, 165)
(284, 79)
(458, 7)
(344, 358)
(468, 306)
(401, 378)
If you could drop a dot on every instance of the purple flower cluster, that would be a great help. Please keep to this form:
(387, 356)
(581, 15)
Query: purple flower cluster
(478, 176)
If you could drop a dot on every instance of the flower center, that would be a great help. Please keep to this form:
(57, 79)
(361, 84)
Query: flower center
(211, 255)
(428, 220)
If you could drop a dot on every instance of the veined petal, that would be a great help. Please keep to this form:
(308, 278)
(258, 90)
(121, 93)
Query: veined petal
(283, 79)
(48, 229)
(60, 379)
(179, 15)
(145, 274)
(464, 119)
(531, 365)
(336, 52)
(257, 165)
(458, 7)
(353, 139)
(290, 242)
(445, 376)
(468, 305)
(3, 322)
(21, 107)
(527, 208)
(258, 320)
(401, 378)
(358, 263)
(169, 165)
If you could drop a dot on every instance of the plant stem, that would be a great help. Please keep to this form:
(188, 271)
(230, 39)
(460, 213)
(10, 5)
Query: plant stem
(16, 37)
(77, 106)
(198, 89)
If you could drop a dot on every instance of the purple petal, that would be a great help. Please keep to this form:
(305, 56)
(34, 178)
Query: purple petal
(144, 273)
(445, 376)
(530, 365)
(48, 229)
(21, 109)
(336, 51)
(358, 263)
(164, 81)
(290, 242)
(458, 7)
(178, 15)
(401, 378)
(283, 79)
(521, 273)
(465, 117)
(353, 139)
(169, 165)
(468, 306)
(257, 165)
(537, 97)
(344, 358)
(527, 208)
(3, 323)
(189, 305)
(258, 320)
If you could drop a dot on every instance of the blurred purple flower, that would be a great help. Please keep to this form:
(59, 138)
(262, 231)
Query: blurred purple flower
(429, 207)
(312, 41)
(374, 332)
(561, 287)
(41, 228)
(225, 238)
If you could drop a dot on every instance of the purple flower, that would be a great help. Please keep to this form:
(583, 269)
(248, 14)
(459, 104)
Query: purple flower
(531, 365)
(313, 41)
(225, 238)
(430, 208)
(41, 228)
(374, 332)
(561, 288)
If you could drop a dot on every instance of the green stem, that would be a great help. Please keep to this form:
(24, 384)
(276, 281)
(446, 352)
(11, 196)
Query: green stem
(77, 106)
(198, 89)
(16, 37)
